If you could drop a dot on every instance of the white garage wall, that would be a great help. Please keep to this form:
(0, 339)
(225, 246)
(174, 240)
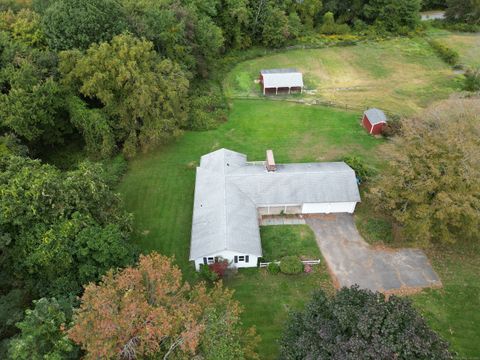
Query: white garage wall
(327, 208)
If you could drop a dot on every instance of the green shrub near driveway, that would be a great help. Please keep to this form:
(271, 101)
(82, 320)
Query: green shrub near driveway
(291, 265)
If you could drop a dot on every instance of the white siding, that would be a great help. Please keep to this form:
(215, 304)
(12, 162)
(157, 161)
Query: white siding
(327, 208)
(230, 256)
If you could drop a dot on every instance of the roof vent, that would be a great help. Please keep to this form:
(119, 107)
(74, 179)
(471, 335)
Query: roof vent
(270, 165)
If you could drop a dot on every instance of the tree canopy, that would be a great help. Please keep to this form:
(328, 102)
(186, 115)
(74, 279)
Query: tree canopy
(143, 98)
(360, 324)
(432, 187)
(156, 314)
(59, 230)
(70, 24)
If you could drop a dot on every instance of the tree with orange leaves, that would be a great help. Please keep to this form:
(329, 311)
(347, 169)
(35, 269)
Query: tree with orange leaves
(148, 311)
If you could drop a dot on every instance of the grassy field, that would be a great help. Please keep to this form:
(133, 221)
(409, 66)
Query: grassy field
(454, 310)
(466, 44)
(401, 75)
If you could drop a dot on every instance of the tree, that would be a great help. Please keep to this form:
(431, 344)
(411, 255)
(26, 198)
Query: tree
(233, 17)
(360, 324)
(463, 11)
(396, 16)
(143, 98)
(70, 24)
(308, 10)
(41, 334)
(148, 311)
(31, 102)
(275, 30)
(62, 229)
(432, 186)
(24, 26)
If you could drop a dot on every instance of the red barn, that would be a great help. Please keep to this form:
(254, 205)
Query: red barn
(374, 120)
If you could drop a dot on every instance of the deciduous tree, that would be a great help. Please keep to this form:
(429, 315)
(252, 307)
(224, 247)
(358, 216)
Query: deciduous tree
(63, 229)
(41, 335)
(359, 324)
(143, 97)
(147, 310)
(432, 187)
(69, 24)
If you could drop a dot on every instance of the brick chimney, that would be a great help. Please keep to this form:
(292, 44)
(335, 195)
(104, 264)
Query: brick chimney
(270, 164)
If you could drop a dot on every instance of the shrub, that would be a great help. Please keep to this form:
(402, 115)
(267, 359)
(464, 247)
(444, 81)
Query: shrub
(362, 170)
(219, 268)
(291, 265)
(472, 80)
(207, 274)
(447, 54)
(392, 128)
(360, 324)
(273, 268)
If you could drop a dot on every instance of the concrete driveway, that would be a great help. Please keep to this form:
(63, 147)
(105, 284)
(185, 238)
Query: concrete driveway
(352, 261)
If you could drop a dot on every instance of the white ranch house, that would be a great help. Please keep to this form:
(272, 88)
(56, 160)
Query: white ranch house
(231, 194)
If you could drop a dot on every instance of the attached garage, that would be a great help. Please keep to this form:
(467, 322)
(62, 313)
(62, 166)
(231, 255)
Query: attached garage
(327, 208)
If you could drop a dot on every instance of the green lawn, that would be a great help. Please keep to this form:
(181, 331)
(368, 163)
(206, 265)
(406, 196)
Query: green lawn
(280, 241)
(399, 75)
(267, 298)
(454, 311)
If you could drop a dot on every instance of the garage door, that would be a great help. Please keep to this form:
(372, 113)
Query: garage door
(327, 208)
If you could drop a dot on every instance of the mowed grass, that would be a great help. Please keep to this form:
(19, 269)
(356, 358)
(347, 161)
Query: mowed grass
(454, 310)
(268, 299)
(280, 241)
(401, 75)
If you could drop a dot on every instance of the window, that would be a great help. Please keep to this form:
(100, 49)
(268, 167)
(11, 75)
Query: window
(241, 258)
(246, 259)
(210, 260)
(235, 259)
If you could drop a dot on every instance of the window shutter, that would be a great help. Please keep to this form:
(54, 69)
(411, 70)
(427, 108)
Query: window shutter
(246, 258)
(205, 261)
(235, 259)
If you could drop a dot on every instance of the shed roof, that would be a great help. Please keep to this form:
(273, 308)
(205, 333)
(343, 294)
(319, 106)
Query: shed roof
(228, 190)
(376, 116)
(278, 78)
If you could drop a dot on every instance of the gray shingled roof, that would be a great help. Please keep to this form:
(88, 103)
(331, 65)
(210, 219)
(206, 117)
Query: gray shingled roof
(376, 116)
(279, 78)
(228, 190)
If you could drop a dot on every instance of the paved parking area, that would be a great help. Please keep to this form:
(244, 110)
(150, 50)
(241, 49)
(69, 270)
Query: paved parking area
(352, 261)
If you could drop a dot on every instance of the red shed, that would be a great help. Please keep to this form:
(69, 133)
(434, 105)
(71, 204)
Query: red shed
(374, 120)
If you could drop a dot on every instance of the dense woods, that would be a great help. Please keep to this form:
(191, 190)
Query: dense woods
(122, 77)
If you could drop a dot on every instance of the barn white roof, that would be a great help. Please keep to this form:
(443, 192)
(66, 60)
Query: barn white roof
(281, 78)
(376, 116)
(228, 190)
